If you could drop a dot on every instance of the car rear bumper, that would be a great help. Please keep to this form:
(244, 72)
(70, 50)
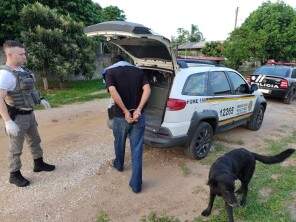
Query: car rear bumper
(274, 92)
(163, 138)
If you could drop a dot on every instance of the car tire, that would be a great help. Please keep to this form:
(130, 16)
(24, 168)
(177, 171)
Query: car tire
(291, 96)
(201, 141)
(256, 119)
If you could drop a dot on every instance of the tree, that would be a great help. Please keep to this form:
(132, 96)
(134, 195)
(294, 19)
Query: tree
(84, 11)
(112, 13)
(10, 27)
(213, 49)
(56, 44)
(184, 36)
(195, 35)
(268, 33)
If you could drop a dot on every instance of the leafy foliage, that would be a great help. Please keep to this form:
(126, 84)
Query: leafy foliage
(213, 49)
(112, 13)
(10, 26)
(183, 35)
(268, 33)
(85, 11)
(56, 44)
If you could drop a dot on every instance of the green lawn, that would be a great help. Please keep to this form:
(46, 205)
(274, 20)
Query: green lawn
(76, 91)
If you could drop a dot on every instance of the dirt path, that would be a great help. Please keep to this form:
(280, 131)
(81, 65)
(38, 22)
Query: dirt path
(77, 140)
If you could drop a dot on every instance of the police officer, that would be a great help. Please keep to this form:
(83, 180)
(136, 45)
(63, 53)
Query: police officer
(18, 96)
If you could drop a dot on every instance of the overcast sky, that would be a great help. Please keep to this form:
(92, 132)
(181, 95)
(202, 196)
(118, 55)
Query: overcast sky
(215, 18)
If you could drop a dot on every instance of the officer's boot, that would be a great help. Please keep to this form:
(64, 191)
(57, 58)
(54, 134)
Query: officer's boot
(39, 165)
(18, 179)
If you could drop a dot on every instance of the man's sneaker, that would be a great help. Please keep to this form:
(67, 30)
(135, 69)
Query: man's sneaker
(18, 179)
(39, 165)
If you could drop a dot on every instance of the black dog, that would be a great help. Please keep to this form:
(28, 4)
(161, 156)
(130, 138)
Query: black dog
(236, 164)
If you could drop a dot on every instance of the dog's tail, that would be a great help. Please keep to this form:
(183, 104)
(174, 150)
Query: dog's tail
(274, 159)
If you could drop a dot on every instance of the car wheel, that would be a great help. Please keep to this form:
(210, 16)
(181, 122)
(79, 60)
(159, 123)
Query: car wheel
(201, 141)
(256, 119)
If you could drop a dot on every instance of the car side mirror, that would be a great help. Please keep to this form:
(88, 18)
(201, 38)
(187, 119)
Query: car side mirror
(254, 87)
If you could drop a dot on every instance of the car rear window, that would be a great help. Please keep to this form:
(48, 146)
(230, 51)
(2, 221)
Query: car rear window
(273, 70)
(196, 85)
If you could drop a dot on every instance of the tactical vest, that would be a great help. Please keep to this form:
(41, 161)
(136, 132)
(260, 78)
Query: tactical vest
(25, 95)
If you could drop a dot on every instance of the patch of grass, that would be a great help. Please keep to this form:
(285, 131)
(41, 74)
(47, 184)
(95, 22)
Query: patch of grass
(76, 91)
(184, 169)
(281, 130)
(218, 149)
(278, 145)
(103, 217)
(284, 126)
(273, 208)
(153, 217)
(229, 140)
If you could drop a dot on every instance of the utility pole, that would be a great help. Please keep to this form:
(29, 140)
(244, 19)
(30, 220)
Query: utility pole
(236, 14)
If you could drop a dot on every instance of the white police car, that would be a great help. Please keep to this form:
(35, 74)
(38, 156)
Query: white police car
(187, 105)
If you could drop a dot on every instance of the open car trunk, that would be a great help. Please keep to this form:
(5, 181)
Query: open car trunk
(150, 52)
(160, 83)
(144, 47)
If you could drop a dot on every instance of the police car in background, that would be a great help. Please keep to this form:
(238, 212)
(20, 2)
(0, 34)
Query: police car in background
(187, 105)
(276, 79)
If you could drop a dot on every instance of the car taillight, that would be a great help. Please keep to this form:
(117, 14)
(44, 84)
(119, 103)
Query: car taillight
(175, 104)
(284, 84)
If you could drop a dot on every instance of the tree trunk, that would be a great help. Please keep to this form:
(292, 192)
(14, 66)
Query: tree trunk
(45, 83)
(61, 84)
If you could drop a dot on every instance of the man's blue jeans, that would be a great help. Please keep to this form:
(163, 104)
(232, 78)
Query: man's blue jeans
(135, 131)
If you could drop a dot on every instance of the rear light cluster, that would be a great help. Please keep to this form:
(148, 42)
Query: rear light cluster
(284, 84)
(175, 104)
